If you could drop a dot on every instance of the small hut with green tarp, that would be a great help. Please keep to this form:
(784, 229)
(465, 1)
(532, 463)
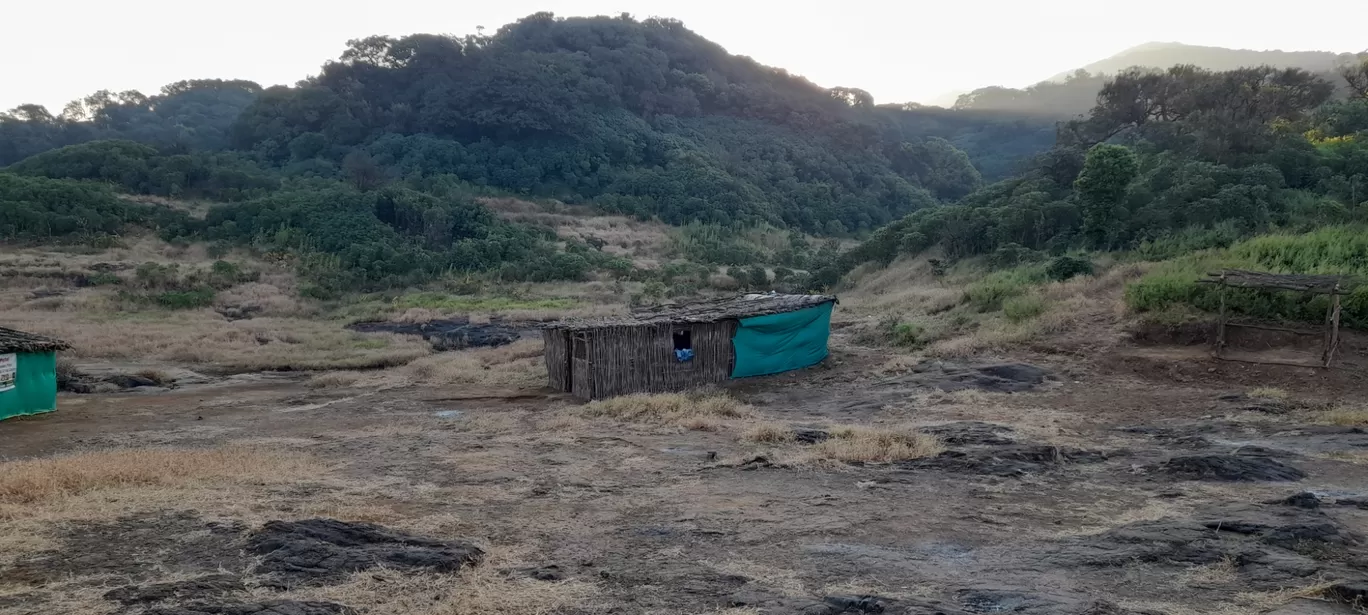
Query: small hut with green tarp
(28, 373)
(676, 347)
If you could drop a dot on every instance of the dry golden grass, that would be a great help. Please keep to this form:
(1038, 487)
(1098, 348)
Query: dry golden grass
(1358, 457)
(1348, 417)
(484, 589)
(30, 482)
(768, 433)
(688, 410)
(1268, 393)
(1217, 573)
(860, 443)
(204, 337)
(783, 581)
(276, 297)
(515, 366)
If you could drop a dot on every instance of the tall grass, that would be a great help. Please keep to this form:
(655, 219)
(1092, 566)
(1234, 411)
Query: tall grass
(993, 290)
(1339, 250)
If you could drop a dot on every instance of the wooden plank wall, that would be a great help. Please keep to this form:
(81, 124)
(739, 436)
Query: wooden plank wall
(641, 359)
(557, 358)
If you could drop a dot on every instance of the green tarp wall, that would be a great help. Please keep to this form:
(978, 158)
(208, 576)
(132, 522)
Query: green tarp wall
(781, 342)
(35, 385)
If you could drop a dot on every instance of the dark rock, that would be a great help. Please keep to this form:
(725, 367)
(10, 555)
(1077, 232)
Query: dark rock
(1305, 499)
(211, 586)
(1354, 593)
(1228, 468)
(269, 607)
(1004, 601)
(970, 432)
(449, 334)
(1016, 460)
(1359, 502)
(855, 604)
(998, 378)
(544, 573)
(1267, 407)
(803, 435)
(131, 381)
(319, 551)
(1016, 372)
(1103, 607)
(1271, 545)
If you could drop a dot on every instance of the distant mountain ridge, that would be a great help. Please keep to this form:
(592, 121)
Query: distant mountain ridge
(1164, 55)
(1073, 93)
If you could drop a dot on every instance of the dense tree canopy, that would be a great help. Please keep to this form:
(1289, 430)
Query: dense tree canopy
(1184, 158)
(641, 117)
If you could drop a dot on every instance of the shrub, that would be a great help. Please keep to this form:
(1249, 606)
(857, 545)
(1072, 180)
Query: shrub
(988, 294)
(185, 299)
(1011, 255)
(876, 445)
(1331, 250)
(1064, 267)
(908, 334)
(1023, 308)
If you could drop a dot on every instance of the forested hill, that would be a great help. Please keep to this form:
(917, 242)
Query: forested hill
(640, 117)
(1168, 162)
(1073, 93)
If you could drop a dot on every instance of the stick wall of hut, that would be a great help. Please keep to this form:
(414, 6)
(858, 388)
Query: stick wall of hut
(637, 359)
(557, 358)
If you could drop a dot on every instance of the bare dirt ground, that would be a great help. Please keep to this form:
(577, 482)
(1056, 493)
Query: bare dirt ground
(1132, 482)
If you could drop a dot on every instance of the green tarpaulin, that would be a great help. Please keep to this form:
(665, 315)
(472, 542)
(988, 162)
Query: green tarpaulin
(781, 342)
(34, 388)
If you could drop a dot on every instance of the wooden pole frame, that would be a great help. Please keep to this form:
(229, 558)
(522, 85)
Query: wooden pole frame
(1330, 334)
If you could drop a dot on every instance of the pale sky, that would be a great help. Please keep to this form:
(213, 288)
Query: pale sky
(898, 51)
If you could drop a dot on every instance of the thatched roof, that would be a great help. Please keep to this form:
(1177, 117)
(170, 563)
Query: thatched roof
(1322, 284)
(743, 306)
(18, 341)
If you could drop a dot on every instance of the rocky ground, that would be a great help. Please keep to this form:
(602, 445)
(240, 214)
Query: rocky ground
(1067, 485)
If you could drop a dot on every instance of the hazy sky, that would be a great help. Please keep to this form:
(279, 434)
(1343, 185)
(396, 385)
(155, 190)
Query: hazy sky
(897, 50)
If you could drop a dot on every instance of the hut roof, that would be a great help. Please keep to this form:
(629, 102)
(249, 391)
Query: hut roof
(1322, 284)
(713, 310)
(18, 341)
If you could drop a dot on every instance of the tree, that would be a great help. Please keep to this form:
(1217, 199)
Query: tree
(1101, 186)
(1356, 76)
(362, 171)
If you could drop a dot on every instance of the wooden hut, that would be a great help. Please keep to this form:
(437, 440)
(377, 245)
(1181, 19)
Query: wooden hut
(28, 373)
(675, 347)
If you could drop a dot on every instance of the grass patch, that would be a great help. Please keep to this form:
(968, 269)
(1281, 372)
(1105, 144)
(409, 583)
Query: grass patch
(487, 589)
(1023, 308)
(1348, 417)
(769, 433)
(38, 481)
(1268, 393)
(1339, 250)
(515, 366)
(855, 443)
(472, 303)
(682, 409)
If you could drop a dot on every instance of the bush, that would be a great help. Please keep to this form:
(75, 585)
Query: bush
(1331, 250)
(185, 299)
(1011, 255)
(1023, 308)
(1065, 267)
(908, 334)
